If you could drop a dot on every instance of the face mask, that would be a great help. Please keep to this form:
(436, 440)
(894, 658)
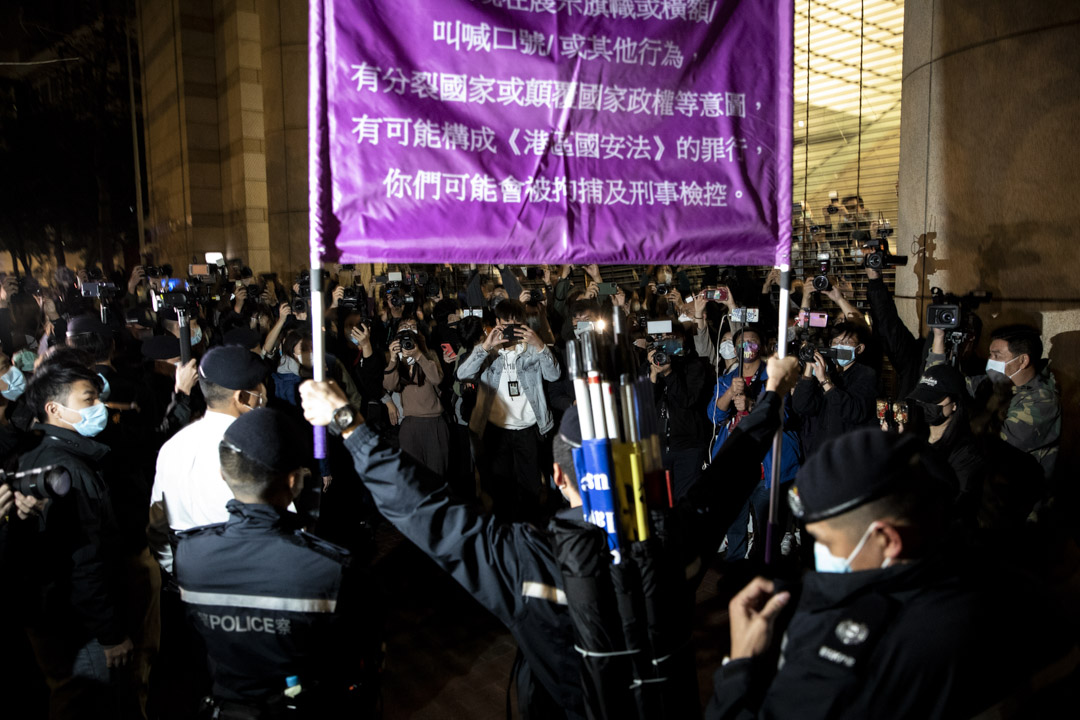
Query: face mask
(750, 350)
(996, 370)
(826, 562)
(92, 420)
(106, 389)
(16, 384)
(845, 361)
(933, 413)
(727, 350)
(684, 318)
(666, 277)
(635, 307)
(196, 337)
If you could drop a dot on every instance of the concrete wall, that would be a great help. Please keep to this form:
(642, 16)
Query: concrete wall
(989, 169)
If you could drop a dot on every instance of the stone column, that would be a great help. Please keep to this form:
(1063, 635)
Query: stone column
(989, 170)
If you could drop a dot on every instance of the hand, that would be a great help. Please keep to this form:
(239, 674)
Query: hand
(138, 274)
(593, 271)
(448, 356)
(619, 299)
(524, 297)
(820, 370)
(699, 305)
(526, 333)
(773, 278)
(48, 306)
(833, 293)
(738, 387)
(119, 655)
(7, 499)
(339, 292)
(939, 334)
(361, 333)
(391, 411)
(641, 343)
(783, 374)
(741, 403)
(29, 506)
(8, 287)
(395, 349)
(729, 299)
(872, 274)
(752, 614)
(284, 311)
(321, 400)
(565, 270)
(239, 296)
(186, 375)
(546, 269)
(494, 339)
(326, 482)
(592, 291)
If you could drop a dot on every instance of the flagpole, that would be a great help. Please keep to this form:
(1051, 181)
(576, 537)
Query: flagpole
(318, 339)
(778, 440)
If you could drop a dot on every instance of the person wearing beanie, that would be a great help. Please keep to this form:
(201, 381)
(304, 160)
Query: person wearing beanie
(276, 606)
(899, 620)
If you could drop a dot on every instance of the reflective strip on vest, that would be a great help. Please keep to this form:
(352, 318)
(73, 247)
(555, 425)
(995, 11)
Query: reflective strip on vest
(543, 592)
(259, 602)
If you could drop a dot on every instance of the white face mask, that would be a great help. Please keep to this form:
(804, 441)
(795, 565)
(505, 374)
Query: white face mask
(826, 562)
(727, 350)
(996, 369)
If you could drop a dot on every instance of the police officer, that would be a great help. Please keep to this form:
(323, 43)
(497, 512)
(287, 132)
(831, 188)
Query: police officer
(896, 622)
(277, 607)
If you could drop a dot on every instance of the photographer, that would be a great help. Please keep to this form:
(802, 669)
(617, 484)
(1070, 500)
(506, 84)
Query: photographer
(680, 390)
(511, 415)
(905, 351)
(415, 373)
(837, 397)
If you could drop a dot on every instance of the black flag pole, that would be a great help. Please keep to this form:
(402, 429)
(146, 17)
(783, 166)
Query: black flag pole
(772, 531)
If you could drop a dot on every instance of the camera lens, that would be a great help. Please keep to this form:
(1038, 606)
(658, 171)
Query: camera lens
(660, 358)
(947, 317)
(821, 282)
(875, 260)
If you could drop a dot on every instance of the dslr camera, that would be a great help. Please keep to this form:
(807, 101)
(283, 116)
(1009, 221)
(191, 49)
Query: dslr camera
(806, 353)
(407, 339)
(158, 271)
(879, 257)
(51, 481)
(351, 298)
(821, 280)
(947, 311)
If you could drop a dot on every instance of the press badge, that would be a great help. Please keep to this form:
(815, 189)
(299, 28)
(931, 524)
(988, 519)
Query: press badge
(515, 389)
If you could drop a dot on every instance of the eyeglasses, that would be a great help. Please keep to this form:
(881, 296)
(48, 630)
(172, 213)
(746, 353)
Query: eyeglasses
(260, 399)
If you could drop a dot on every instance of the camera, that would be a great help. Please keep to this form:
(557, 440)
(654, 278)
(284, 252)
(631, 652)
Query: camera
(879, 257)
(662, 288)
(299, 305)
(351, 298)
(395, 293)
(51, 481)
(943, 316)
(162, 301)
(947, 311)
(509, 332)
(103, 290)
(660, 357)
(806, 353)
(534, 272)
(718, 295)
(821, 280)
(536, 296)
(407, 339)
(158, 271)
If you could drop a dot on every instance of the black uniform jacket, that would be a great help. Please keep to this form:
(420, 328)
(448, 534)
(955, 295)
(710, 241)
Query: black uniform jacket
(930, 639)
(511, 568)
(271, 601)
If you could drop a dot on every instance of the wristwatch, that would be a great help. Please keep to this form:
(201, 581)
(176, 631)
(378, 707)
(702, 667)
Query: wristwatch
(344, 417)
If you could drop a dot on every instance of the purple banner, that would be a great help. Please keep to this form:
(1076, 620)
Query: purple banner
(519, 131)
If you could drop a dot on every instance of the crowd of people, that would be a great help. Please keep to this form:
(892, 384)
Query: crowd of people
(175, 537)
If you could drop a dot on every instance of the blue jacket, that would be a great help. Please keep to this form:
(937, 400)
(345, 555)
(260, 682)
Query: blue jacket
(533, 367)
(791, 452)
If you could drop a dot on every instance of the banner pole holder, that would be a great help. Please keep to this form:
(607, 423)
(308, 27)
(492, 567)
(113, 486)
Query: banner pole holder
(318, 340)
(773, 529)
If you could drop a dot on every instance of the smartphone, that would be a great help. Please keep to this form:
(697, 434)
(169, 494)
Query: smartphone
(606, 288)
(658, 327)
(718, 295)
(819, 319)
(448, 350)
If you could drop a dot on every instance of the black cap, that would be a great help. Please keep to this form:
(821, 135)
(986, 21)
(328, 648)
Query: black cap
(938, 383)
(570, 427)
(87, 325)
(268, 437)
(161, 347)
(852, 470)
(233, 367)
(242, 336)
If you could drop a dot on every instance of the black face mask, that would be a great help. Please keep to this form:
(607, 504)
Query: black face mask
(933, 413)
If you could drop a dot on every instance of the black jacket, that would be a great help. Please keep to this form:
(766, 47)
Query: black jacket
(511, 569)
(71, 552)
(929, 639)
(850, 404)
(683, 395)
(906, 352)
(271, 601)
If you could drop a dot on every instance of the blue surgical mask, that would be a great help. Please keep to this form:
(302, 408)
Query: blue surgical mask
(844, 362)
(106, 389)
(826, 562)
(92, 421)
(16, 384)
(996, 370)
(196, 337)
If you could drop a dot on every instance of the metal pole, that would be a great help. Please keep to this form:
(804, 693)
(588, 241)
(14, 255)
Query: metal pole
(778, 440)
(135, 143)
(318, 340)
